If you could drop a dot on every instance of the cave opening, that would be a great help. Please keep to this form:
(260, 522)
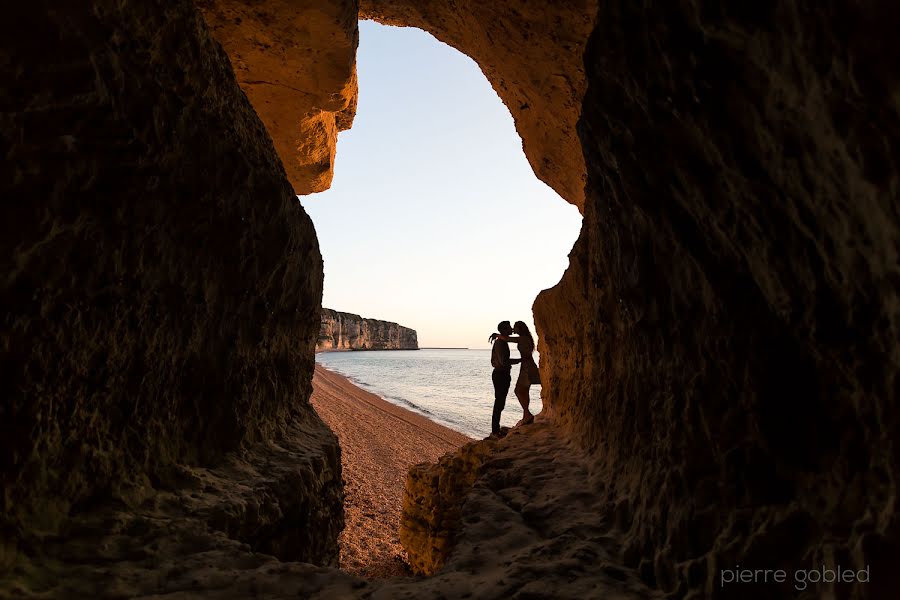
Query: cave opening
(435, 220)
(432, 182)
(732, 295)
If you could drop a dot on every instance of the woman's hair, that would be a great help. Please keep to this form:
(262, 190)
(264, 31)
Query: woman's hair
(522, 329)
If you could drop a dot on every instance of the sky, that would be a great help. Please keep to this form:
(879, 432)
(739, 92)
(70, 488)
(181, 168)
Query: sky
(435, 219)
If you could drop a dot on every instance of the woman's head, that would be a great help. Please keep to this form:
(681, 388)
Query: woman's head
(521, 328)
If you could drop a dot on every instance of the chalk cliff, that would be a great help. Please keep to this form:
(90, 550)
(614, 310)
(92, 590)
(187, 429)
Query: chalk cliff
(346, 331)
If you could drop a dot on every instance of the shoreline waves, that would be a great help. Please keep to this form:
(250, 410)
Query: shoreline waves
(450, 387)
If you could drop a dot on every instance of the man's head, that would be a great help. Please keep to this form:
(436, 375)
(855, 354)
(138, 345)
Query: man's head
(505, 328)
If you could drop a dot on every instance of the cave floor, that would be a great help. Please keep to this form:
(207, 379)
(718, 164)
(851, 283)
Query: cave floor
(532, 528)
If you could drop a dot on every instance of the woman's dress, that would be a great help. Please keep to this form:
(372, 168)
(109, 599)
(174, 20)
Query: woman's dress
(528, 370)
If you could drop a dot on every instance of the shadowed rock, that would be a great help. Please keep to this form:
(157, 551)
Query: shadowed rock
(161, 283)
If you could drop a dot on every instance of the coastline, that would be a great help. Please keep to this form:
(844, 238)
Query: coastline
(379, 442)
(318, 350)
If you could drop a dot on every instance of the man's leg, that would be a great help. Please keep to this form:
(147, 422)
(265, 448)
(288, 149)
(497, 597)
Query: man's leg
(501, 380)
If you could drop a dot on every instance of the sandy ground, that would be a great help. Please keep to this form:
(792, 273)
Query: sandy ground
(379, 442)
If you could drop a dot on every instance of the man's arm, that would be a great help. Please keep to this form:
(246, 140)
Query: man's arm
(503, 338)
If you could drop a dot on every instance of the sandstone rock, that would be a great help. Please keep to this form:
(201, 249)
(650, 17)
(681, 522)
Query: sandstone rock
(346, 331)
(729, 345)
(282, 499)
(432, 504)
(296, 61)
(161, 283)
(531, 526)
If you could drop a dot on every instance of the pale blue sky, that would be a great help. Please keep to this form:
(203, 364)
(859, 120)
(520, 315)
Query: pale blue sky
(435, 219)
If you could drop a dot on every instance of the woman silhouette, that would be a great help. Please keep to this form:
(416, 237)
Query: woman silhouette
(528, 370)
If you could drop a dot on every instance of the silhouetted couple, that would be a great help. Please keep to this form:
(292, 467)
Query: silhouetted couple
(502, 375)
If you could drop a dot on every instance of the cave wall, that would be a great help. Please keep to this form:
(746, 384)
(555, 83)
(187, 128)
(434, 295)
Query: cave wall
(729, 350)
(162, 284)
(347, 331)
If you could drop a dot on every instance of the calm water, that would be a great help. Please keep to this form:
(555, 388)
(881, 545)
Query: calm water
(451, 387)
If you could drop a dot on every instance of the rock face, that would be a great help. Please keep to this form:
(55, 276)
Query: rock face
(432, 504)
(346, 331)
(296, 61)
(161, 283)
(729, 346)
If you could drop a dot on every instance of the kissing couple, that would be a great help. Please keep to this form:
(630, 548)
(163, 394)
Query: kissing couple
(502, 375)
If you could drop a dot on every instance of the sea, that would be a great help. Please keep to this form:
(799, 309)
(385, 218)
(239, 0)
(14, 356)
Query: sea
(450, 387)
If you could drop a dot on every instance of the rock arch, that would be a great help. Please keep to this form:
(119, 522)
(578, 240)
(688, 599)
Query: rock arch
(719, 309)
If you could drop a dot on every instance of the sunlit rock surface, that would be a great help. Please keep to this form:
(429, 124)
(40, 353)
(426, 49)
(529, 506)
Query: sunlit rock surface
(347, 331)
(432, 504)
(296, 61)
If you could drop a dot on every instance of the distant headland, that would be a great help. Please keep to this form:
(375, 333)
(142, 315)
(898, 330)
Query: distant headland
(348, 331)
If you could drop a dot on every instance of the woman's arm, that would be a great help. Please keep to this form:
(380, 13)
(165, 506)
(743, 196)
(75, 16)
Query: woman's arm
(503, 338)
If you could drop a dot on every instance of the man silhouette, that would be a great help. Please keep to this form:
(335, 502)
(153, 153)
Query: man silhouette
(501, 377)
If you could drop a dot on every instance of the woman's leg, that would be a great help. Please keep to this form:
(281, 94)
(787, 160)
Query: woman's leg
(522, 394)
